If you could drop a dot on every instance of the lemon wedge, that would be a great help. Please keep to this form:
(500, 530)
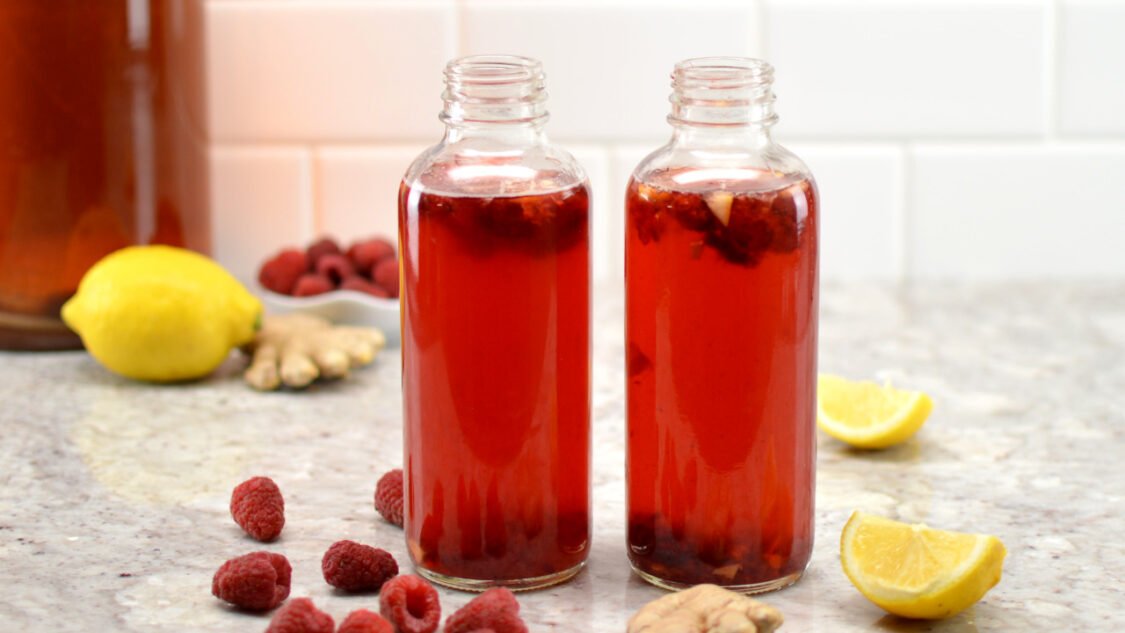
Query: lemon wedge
(867, 415)
(915, 571)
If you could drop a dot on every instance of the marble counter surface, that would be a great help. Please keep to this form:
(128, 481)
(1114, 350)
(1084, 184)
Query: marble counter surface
(113, 494)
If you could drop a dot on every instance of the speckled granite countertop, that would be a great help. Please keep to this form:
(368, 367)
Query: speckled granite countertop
(113, 494)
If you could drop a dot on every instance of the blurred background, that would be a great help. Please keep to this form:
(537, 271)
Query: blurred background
(958, 139)
(952, 139)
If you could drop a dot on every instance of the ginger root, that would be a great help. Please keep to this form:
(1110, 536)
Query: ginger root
(705, 609)
(295, 349)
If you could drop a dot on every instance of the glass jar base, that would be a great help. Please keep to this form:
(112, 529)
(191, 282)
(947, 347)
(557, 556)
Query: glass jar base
(35, 333)
(519, 584)
(760, 587)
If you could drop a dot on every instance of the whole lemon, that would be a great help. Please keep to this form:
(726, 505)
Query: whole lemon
(160, 313)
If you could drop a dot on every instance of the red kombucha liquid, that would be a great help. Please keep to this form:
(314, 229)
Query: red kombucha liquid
(721, 360)
(496, 379)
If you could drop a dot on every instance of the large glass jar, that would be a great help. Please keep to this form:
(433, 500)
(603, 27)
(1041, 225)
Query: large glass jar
(721, 325)
(493, 229)
(93, 150)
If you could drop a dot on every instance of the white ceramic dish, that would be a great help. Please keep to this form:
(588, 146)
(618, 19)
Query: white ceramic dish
(339, 306)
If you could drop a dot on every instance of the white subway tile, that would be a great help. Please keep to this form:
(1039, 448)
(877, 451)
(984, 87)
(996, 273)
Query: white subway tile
(316, 70)
(885, 69)
(1091, 61)
(1019, 212)
(261, 201)
(608, 62)
(861, 199)
(357, 189)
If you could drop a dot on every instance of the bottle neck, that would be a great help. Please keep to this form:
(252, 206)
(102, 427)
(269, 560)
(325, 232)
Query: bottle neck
(500, 98)
(722, 101)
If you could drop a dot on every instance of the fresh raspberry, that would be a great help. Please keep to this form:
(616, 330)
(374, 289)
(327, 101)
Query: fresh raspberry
(388, 496)
(748, 233)
(301, 616)
(257, 507)
(281, 272)
(359, 284)
(312, 284)
(320, 248)
(356, 567)
(258, 581)
(411, 604)
(386, 275)
(365, 254)
(495, 609)
(692, 212)
(364, 621)
(335, 267)
(787, 220)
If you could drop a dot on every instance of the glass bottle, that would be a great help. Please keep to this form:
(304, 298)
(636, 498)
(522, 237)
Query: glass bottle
(94, 150)
(493, 230)
(721, 328)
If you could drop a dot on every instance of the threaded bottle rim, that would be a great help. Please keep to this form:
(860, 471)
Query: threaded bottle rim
(722, 91)
(494, 89)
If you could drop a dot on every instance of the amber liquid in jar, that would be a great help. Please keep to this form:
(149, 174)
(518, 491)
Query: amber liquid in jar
(93, 152)
(495, 337)
(721, 362)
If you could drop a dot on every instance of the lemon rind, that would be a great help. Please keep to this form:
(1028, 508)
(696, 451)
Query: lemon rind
(900, 600)
(918, 405)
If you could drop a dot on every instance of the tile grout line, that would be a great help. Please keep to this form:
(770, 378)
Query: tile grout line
(760, 19)
(457, 32)
(1051, 72)
(619, 218)
(901, 254)
(619, 175)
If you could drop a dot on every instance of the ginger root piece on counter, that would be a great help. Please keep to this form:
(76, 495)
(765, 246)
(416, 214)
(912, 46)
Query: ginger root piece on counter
(293, 350)
(705, 609)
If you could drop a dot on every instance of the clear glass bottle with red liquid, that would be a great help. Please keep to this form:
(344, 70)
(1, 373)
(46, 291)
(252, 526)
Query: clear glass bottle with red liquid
(493, 227)
(721, 330)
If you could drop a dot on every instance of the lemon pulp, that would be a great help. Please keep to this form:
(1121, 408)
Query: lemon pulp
(916, 571)
(867, 415)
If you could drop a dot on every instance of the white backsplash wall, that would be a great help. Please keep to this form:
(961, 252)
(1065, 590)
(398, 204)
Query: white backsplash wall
(971, 139)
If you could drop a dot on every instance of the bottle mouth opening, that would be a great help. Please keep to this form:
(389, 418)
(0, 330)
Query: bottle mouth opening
(494, 70)
(494, 89)
(722, 91)
(721, 73)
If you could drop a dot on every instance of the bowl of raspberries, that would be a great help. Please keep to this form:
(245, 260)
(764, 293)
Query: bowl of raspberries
(357, 285)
